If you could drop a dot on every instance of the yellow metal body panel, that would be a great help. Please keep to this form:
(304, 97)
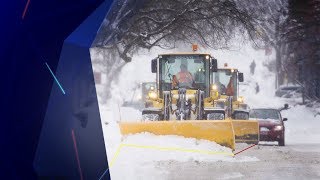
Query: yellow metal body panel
(190, 94)
(219, 131)
(246, 131)
(157, 103)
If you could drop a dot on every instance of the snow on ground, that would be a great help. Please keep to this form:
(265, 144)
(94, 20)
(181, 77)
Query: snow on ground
(233, 175)
(301, 127)
(142, 161)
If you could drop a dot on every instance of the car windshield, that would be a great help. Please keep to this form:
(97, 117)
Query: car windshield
(187, 71)
(264, 114)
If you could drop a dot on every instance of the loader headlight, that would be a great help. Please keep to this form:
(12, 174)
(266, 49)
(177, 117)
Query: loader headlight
(278, 128)
(214, 87)
(240, 99)
(152, 95)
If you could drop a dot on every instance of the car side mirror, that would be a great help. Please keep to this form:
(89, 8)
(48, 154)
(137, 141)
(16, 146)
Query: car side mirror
(214, 65)
(154, 66)
(240, 77)
(286, 106)
(285, 119)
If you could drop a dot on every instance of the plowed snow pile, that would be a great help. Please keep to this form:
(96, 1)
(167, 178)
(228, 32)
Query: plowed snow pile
(151, 149)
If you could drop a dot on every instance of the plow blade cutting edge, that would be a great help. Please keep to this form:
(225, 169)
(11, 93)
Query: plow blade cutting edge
(219, 131)
(246, 131)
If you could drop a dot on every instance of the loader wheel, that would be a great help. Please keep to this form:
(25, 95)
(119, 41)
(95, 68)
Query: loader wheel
(199, 105)
(150, 117)
(215, 116)
(166, 111)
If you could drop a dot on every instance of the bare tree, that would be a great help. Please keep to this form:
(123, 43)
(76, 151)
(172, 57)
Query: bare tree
(133, 25)
(303, 37)
(164, 23)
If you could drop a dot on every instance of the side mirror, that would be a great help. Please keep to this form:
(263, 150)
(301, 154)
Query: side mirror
(214, 65)
(240, 77)
(285, 119)
(286, 106)
(154, 66)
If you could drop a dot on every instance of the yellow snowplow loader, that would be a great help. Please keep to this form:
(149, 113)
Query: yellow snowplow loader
(245, 130)
(186, 103)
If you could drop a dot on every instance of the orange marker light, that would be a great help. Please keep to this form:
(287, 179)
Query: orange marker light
(194, 47)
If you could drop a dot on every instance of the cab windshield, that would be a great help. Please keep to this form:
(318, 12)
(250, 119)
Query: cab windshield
(183, 71)
(222, 78)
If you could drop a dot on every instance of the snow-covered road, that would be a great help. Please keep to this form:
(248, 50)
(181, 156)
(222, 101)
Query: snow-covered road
(299, 159)
(294, 161)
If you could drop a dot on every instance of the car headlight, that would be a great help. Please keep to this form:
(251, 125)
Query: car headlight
(153, 95)
(278, 128)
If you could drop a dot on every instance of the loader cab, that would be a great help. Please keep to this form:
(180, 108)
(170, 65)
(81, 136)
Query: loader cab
(195, 68)
(221, 79)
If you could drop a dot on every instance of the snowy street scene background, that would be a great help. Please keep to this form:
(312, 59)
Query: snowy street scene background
(269, 34)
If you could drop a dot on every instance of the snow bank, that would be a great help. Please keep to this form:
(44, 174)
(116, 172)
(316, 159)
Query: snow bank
(154, 149)
(140, 162)
(302, 125)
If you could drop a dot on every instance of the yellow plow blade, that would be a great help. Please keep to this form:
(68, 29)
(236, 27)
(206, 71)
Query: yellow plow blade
(219, 131)
(246, 131)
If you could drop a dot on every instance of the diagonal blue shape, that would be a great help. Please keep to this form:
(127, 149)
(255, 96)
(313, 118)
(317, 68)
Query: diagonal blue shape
(55, 78)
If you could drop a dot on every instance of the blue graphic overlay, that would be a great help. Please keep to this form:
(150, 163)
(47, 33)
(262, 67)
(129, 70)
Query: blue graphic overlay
(71, 143)
(26, 45)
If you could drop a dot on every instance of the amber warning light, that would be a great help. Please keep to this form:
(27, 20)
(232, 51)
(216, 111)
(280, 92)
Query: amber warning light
(194, 47)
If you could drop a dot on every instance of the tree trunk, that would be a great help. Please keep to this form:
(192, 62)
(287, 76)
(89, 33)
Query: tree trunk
(279, 73)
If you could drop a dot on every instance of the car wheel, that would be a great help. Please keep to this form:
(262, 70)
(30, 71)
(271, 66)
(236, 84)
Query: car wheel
(281, 142)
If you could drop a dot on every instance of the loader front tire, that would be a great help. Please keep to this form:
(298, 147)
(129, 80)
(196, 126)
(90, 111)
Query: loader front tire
(199, 105)
(166, 109)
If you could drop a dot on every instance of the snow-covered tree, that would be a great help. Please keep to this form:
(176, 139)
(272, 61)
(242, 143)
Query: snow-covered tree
(164, 23)
(133, 25)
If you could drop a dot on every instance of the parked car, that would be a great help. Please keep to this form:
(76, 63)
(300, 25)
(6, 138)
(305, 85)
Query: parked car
(270, 123)
(288, 91)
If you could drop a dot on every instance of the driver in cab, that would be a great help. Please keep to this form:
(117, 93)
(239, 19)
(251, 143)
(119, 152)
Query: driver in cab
(222, 89)
(184, 77)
